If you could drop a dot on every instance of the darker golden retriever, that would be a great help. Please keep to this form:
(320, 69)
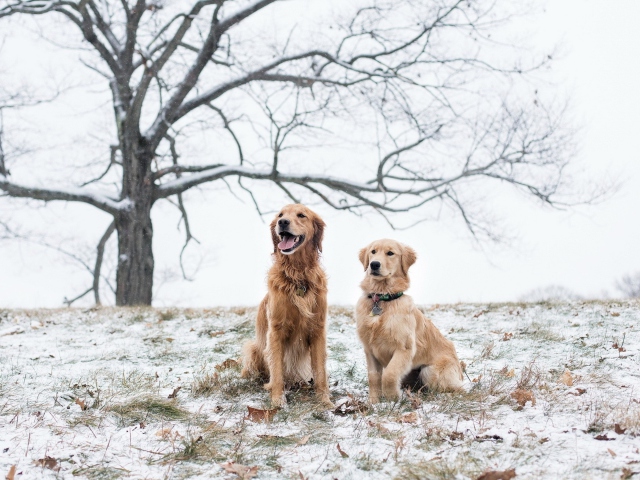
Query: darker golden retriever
(397, 337)
(291, 343)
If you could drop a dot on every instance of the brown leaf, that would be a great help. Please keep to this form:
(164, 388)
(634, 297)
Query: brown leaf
(463, 366)
(523, 396)
(48, 462)
(618, 429)
(381, 428)
(259, 415)
(477, 379)
(578, 392)
(481, 312)
(174, 394)
(342, 452)
(627, 473)
(507, 336)
(241, 471)
(303, 440)
(566, 378)
(81, 403)
(543, 440)
(411, 417)
(615, 314)
(603, 437)
(456, 436)
(216, 334)
(612, 453)
(12, 473)
(350, 406)
(228, 363)
(498, 475)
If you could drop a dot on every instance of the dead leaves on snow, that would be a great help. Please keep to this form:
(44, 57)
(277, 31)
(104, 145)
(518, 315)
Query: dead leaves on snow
(566, 378)
(242, 471)
(523, 396)
(12, 473)
(259, 415)
(498, 475)
(48, 462)
(350, 406)
(342, 452)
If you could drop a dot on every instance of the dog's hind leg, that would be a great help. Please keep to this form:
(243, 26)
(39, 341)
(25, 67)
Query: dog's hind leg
(443, 376)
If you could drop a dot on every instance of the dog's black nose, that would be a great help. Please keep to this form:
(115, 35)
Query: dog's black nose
(283, 222)
(375, 265)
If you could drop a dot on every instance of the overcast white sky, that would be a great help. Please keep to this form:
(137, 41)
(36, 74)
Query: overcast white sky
(586, 249)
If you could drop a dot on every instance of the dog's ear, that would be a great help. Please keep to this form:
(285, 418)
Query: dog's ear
(363, 257)
(274, 236)
(318, 232)
(408, 258)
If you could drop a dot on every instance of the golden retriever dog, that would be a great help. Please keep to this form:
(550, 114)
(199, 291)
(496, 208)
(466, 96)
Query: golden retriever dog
(397, 337)
(291, 343)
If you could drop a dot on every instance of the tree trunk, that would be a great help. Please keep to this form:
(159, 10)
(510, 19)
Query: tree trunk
(134, 279)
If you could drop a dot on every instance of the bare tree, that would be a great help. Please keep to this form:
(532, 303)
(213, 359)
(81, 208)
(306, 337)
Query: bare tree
(437, 108)
(629, 285)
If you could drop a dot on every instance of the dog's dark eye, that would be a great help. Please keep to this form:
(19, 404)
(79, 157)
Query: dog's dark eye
(390, 253)
(280, 215)
(302, 215)
(373, 251)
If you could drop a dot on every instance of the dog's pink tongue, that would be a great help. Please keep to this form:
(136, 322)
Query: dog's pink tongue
(287, 243)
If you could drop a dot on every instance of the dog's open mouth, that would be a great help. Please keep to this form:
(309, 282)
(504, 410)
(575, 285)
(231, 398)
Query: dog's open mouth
(289, 242)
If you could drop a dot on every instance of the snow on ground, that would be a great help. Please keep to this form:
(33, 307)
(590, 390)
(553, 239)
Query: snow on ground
(86, 393)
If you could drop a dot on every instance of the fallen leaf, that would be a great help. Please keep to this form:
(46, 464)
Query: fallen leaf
(543, 440)
(615, 314)
(498, 475)
(507, 336)
(228, 363)
(482, 312)
(342, 452)
(169, 339)
(477, 379)
(578, 392)
(411, 417)
(48, 462)
(174, 394)
(349, 406)
(241, 471)
(566, 378)
(506, 372)
(259, 415)
(303, 440)
(381, 428)
(603, 437)
(627, 473)
(12, 473)
(81, 403)
(463, 366)
(523, 396)
(611, 452)
(216, 334)
(456, 436)
(489, 438)
(618, 429)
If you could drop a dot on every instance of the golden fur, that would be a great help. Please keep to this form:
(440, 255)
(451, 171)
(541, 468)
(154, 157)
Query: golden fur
(401, 339)
(291, 336)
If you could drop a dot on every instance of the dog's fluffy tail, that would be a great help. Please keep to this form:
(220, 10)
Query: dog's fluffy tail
(253, 363)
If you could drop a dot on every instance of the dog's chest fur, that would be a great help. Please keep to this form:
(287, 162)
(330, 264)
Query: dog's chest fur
(392, 330)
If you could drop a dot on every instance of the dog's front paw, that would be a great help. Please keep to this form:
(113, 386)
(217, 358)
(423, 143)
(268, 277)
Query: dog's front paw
(279, 401)
(326, 402)
(373, 398)
(392, 394)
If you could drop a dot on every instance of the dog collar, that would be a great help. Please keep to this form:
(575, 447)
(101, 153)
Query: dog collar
(385, 297)
(381, 297)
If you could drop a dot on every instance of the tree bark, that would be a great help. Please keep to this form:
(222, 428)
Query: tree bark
(134, 278)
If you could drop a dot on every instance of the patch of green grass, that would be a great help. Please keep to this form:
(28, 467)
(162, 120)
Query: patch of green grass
(541, 332)
(146, 409)
(99, 472)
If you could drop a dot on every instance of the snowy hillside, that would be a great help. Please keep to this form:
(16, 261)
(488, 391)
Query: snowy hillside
(553, 391)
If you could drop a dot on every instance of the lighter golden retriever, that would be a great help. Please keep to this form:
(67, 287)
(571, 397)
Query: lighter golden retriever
(291, 343)
(397, 337)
